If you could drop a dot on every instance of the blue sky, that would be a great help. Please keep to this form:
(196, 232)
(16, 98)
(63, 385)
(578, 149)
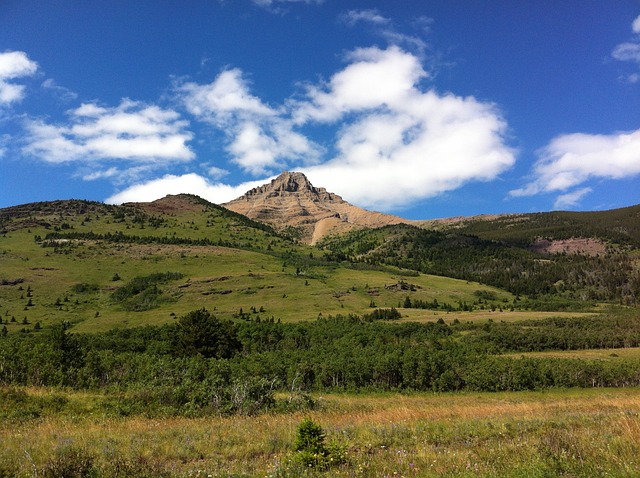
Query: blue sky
(420, 109)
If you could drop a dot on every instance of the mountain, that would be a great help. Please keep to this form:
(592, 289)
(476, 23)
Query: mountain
(291, 201)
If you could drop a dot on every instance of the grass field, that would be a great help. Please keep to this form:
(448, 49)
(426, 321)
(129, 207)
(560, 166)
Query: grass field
(594, 432)
(222, 279)
(590, 354)
(415, 315)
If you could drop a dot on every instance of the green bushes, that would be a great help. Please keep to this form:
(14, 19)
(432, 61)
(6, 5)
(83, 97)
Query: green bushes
(311, 449)
(201, 365)
(70, 462)
(142, 292)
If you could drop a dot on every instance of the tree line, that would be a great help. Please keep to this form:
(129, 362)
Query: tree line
(201, 364)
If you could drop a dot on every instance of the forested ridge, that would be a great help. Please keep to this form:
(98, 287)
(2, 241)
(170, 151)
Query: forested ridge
(617, 226)
(612, 276)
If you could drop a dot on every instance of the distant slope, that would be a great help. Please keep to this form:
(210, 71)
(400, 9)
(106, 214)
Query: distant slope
(613, 275)
(291, 201)
(617, 226)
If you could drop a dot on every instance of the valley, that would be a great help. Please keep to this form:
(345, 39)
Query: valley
(424, 348)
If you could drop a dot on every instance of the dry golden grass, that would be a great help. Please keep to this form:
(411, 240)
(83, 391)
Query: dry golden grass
(571, 432)
(590, 354)
(418, 315)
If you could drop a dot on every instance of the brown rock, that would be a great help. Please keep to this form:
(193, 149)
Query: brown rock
(291, 200)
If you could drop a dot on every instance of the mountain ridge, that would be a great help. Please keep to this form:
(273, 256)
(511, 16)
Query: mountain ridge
(291, 204)
(290, 200)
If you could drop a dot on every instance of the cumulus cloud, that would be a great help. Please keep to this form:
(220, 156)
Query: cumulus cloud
(402, 143)
(394, 141)
(191, 183)
(570, 160)
(259, 137)
(132, 132)
(375, 78)
(13, 65)
(224, 100)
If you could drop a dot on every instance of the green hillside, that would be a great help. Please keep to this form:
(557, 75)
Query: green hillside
(135, 339)
(101, 266)
(498, 253)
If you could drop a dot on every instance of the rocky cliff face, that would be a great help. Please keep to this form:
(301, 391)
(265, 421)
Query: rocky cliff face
(291, 200)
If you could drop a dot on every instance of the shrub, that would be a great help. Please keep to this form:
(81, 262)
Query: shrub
(70, 462)
(311, 449)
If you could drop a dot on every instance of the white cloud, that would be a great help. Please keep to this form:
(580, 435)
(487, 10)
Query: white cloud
(402, 143)
(627, 52)
(572, 199)
(375, 78)
(630, 51)
(223, 100)
(131, 131)
(635, 26)
(633, 78)
(64, 94)
(105, 174)
(369, 16)
(14, 64)
(188, 183)
(385, 28)
(259, 138)
(216, 172)
(570, 160)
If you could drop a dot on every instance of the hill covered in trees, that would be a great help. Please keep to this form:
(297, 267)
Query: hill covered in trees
(513, 253)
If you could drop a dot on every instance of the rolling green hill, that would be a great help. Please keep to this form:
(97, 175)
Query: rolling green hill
(101, 266)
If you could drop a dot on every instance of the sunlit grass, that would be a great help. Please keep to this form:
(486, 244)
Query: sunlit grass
(569, 432)
(590, 354)
(224, 280)
(416, 315)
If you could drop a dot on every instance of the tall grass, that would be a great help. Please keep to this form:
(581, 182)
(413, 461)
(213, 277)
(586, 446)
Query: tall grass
(556, 433)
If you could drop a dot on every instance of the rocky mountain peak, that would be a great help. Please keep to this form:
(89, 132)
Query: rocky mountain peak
(291, 184)
(290, 200)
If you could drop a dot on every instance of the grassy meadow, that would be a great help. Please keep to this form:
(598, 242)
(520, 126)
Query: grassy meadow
(592, 432)
(287, 281)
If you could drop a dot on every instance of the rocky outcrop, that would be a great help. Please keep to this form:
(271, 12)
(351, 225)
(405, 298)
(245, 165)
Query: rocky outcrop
(290, 200)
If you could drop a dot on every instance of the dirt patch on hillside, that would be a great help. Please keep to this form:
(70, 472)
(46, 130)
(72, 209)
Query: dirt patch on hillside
(586, 246)
(172, 205)
(330, 225)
